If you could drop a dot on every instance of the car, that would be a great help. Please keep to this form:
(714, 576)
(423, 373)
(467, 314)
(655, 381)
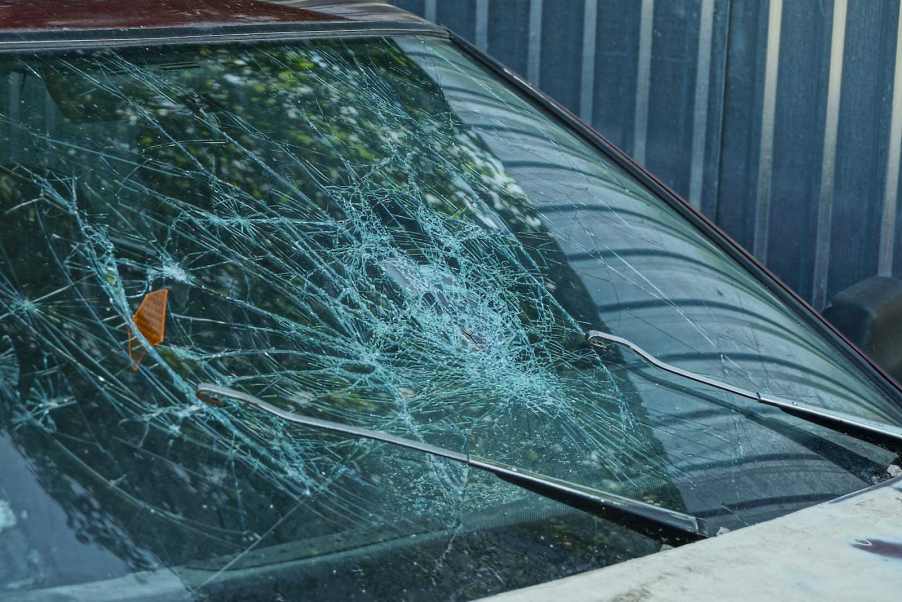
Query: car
(313, 300)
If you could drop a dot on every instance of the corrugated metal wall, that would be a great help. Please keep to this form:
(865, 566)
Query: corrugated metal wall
(781, 120)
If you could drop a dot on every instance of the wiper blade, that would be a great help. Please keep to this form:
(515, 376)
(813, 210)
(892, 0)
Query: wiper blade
(654, 521)
(879, 433)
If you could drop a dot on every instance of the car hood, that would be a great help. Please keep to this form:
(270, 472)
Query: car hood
(846, 549)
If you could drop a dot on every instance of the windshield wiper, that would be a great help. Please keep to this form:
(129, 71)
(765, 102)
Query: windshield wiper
(654, 521)
(879, 433)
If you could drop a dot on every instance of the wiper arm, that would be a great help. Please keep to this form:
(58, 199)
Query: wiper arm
(879, 433)
(654, 521)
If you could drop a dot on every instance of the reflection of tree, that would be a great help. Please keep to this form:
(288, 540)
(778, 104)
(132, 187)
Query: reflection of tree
(320, 106)
(332, 235)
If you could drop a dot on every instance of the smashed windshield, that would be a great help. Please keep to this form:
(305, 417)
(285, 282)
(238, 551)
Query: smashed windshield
(378, 233)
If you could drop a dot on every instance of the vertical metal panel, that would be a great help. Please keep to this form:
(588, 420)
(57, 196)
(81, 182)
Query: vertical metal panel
(893, 158)
(414, 6)
(615, 71)
(766, 144)
(671, 102)
(741, 124)
(700, 109)
(720, 42)
(861, 150)
(560, 70)
(798, 141)
(823, 238)
(534, 62)
(587, 79)
(508, 33)
(643, 79)
(459, 17)
(482, 24)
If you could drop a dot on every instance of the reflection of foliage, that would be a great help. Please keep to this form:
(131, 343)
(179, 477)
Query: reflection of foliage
(313, 104)
(334, 239)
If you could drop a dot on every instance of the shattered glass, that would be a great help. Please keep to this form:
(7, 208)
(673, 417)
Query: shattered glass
(379, 233)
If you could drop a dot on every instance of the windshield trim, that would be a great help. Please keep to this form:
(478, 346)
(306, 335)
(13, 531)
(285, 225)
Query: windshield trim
(83, 39)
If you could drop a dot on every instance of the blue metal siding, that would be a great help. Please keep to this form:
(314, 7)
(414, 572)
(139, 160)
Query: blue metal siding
(730, 102)
(798, 140)
(560, 71)
(459, 16)
(617, 52)
(508, 34)
(741, 119)
(862, 142)
(672, 74)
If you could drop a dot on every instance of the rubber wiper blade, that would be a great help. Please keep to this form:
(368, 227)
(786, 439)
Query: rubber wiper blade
(879, 433)
(670, 526)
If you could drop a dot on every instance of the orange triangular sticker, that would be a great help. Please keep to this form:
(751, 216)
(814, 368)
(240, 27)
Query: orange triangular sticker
(150, 320)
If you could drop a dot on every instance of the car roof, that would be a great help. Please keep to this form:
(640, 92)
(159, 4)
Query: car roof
(61, 15)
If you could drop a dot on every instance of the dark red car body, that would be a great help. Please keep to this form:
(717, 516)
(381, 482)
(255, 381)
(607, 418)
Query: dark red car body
(129, 14)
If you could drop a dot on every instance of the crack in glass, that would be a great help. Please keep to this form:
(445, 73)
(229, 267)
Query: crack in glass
(346, 233)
